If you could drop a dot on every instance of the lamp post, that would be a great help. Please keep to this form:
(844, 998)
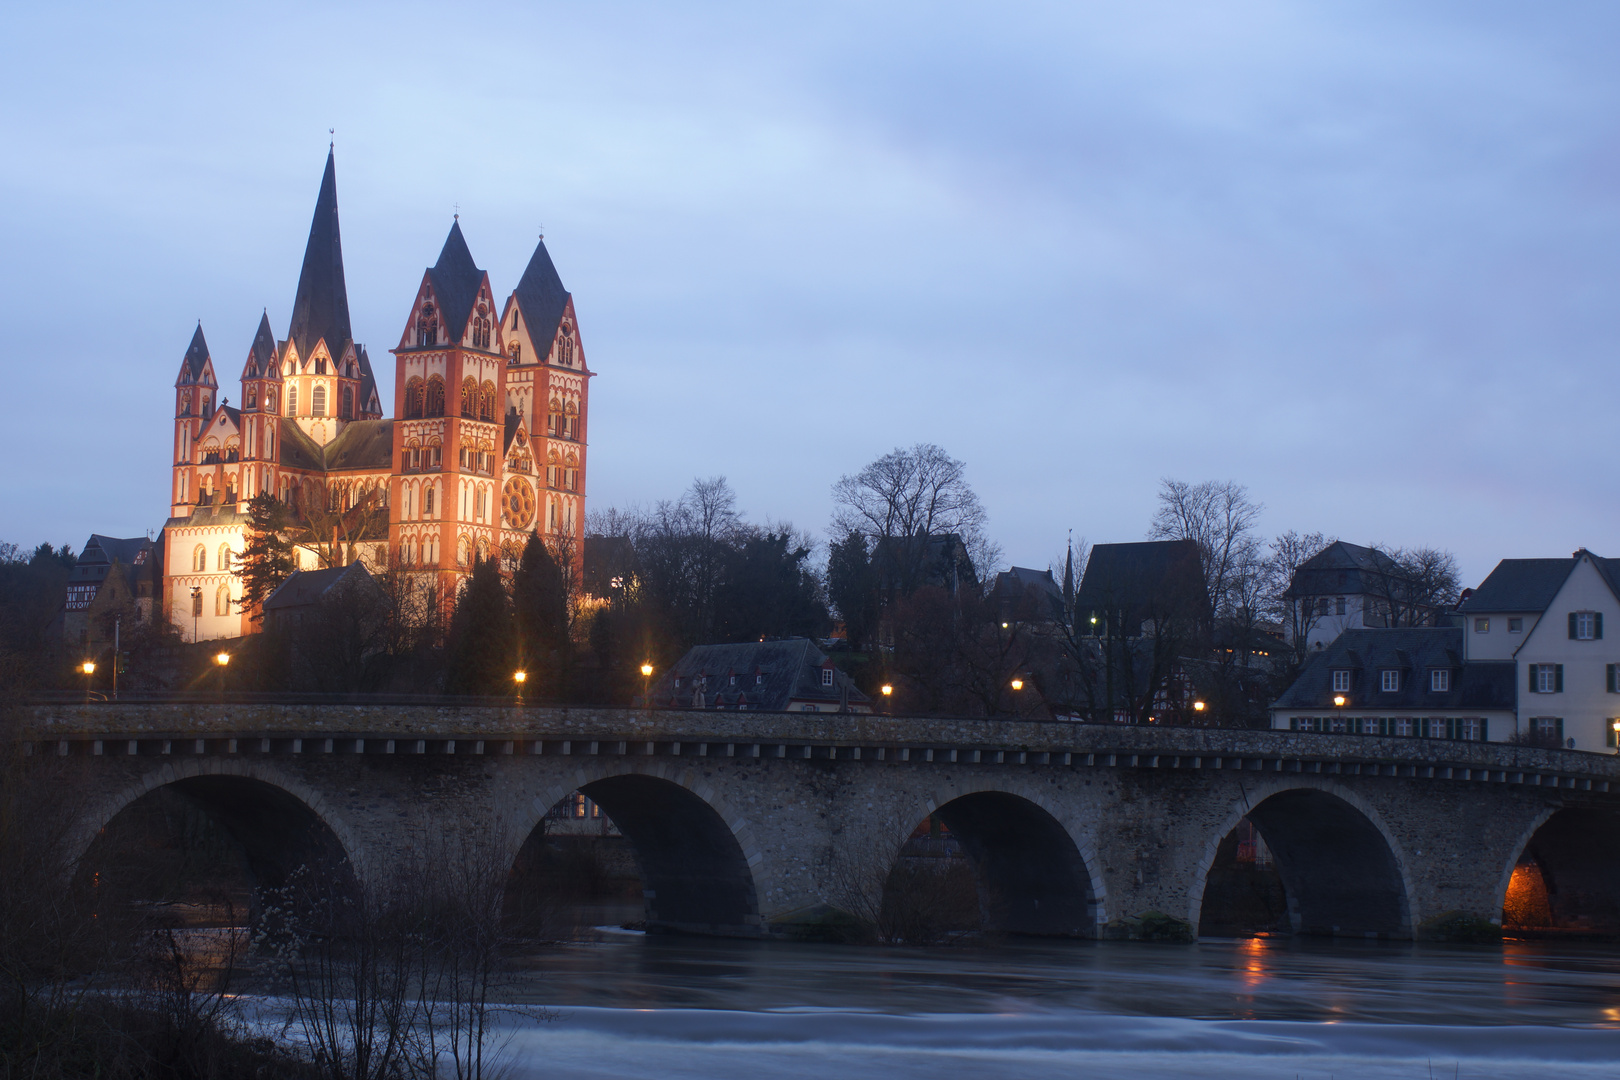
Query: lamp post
(89, 669)
(222, 659)
(1616, 726)
(646, 684)
(1199, 706)
(888, 698)
(520, 677)
(196, 609)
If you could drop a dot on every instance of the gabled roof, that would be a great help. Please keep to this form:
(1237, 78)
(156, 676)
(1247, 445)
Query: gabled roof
(298, 451)
(261, 361)
(111, 549)
(1342, 567)
(306, 587)
(788, 671)
(514, 420)
(1414, 651)
(1138, 577)
(456, 279)
(541, 298)
(362, 444)
(368, 382)
(321, 307)
(195, 360)
(1522, 585)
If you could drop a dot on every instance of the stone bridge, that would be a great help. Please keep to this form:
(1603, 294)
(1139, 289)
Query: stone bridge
(740, 819)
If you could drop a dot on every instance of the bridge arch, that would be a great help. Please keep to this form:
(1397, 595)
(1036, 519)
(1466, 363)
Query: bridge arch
(701, 865)
(277, 822)
(1344, 871)
(1035, 871)
(1564, 872)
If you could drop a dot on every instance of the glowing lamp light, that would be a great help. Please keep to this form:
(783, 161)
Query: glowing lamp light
(1094, 620)
(88, 667)
(1004, 626)
(1198, 706)
(1018, 684)
(222, 658)
(1338, 699)
(520, 676)
(646, 671)
(888, 690)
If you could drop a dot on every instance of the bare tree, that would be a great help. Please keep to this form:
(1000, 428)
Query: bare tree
(333, 523)
(1421, 582)
(906, 497)
(1220, 517)
(1298, 615)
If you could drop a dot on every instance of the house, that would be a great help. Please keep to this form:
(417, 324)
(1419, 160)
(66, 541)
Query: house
(1349, 587)
(303, 592)
(1026, 595)
(907, 563)
(114, 579)
(789, 675)
(1128, 589)
(1545, 619)
(1402, 681)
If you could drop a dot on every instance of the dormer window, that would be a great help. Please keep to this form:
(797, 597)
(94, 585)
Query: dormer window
(320, 366)
(1389, 680)
(1440, 680)
(1341, 681)
(826, 676)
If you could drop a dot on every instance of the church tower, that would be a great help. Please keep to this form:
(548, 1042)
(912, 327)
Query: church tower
(547, 388)
(449, 428)
(195, 393)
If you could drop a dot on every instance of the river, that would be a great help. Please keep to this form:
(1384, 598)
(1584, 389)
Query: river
(633, 1006)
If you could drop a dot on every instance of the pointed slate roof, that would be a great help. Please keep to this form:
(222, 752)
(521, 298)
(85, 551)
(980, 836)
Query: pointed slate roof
(541, 297)
(321, 308)
(262, 356)
(455, 280)
(196, 358)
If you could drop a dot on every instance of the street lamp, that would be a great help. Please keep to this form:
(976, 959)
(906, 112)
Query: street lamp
(646, 684)
(888, 696)
(1017, 683)
(1616, 726)
(89, 669)
(196, 609)
(1338, 701)
(1198, 706)
(221, 660)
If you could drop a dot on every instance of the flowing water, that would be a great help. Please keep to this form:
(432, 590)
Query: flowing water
(632, 1006)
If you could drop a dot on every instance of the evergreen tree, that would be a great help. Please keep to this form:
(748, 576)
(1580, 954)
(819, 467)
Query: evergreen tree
(480, 655)
(852, 586)
(268, 559)
(540, 611)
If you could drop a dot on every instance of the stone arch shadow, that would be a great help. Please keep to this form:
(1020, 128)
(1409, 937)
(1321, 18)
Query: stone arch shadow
(701, 865)
(1576, 853)
(1036, 876)
(1344, 872)
(279, 823)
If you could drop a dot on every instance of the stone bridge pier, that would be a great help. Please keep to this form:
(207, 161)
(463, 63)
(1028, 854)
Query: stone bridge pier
(738, 821)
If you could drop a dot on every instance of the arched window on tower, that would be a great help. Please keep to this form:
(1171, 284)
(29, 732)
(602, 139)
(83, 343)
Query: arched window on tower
(435, 396)
(486, 402)
(413, 399)
(469, 398)
(224, 565)
(222, 600)
(348, 403)
(427, 327)
(514, 352)
(317, 400)
(292, 400)
(199, 559)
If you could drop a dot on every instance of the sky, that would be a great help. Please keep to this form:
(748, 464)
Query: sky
(1360, 257)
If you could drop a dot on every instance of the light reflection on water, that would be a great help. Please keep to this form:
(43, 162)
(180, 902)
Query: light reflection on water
(1256, 979)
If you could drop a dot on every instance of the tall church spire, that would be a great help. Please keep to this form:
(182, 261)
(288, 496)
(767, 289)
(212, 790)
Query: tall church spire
(321, 308)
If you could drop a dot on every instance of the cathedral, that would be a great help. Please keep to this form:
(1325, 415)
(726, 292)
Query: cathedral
(483, 446)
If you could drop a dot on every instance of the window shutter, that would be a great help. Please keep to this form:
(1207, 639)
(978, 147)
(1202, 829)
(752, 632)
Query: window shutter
(1484, 729)
(1532, 669)
(1609, 671)
(1597, 625)
(1558, 678)
(1572, 626)
(1560, 723)
(1451, 727)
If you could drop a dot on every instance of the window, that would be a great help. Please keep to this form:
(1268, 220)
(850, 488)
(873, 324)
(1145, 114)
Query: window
(1321, 605)
(1516, 626)
(1586, 625)
(1338, 605)
(469, 398)
(1440, 680)
(1401, 725)
(435, 396)
(320, 366)
(1341, 681)
(1546, 678)
(807, 708)
(348, 403)
(427, 327)
(427, 501)
(199, 559)
(222, 600)
(317, 400)
(1470, 729)
(1389, 680)
(292, 400)
(826, 676)
(515, 352)
(1482, 626)
(224, 557)
(1371, 725)
(1550, 728)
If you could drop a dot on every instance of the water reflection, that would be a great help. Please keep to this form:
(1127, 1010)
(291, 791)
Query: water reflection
(1259, 978)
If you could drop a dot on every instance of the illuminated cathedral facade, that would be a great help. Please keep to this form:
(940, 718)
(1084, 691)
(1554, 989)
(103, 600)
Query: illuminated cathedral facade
(482, 444)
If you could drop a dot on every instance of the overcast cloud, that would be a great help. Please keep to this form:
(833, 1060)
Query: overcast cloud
(1360, 257)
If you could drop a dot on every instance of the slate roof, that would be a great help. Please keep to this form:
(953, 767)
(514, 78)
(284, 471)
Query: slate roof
(787, 671)
(321, 306)
(513, 420)
(196, 358)
(306, 587)
(541, 298)
(99, 553)
(261, 361)
(299, 451)
(1138, 577)
(455, 282)
(363, 444)
(1017, 582)
(368, 382)
(1414, 651)
(1342, 568)
(1522, 585)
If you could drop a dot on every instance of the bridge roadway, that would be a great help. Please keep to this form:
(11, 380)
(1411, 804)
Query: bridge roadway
(740, 820)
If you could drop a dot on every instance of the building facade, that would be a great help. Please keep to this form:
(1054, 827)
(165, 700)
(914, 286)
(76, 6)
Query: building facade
(483, 444)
